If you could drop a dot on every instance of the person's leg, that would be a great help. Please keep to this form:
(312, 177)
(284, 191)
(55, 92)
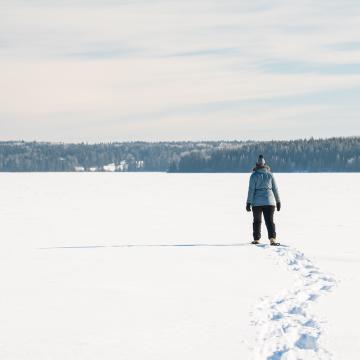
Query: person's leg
(257, 211)
(269, 221)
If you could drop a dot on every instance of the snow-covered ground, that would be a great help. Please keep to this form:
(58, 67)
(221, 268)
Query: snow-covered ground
(158, 266)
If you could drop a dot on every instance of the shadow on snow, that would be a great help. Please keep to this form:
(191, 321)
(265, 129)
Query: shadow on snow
(143, 245)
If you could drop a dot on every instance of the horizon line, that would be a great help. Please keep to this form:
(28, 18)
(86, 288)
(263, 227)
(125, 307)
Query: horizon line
(176, 141)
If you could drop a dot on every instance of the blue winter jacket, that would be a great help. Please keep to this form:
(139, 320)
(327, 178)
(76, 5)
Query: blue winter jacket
(262, 188)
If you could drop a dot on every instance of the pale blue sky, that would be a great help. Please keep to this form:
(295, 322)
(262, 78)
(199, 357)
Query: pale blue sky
(106, 70)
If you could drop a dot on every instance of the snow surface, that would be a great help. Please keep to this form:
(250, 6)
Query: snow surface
(158, 266)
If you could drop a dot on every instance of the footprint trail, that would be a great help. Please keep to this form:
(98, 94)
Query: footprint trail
(286, 329)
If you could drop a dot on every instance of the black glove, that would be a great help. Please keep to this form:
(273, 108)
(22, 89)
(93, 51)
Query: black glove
(278, 206)
(248, 207)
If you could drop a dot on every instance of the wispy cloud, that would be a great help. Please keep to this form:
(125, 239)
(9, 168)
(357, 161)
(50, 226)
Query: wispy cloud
(294, 67)
(225, 52)
(347, 46)
(103, 51)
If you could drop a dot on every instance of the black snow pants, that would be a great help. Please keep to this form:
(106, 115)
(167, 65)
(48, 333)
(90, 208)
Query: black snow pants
(268, 211)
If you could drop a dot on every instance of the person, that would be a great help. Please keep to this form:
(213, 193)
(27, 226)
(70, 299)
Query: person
(263, 196)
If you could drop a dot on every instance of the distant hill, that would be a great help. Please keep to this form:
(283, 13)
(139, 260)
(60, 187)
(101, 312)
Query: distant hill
(340, 154)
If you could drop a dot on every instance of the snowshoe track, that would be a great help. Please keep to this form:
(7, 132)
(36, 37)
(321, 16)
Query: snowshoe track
(286, 329)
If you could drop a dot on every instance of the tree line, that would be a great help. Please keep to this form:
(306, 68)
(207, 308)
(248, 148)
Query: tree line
(338, 154)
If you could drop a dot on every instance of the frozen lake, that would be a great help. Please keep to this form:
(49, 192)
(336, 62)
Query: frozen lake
(158, 266)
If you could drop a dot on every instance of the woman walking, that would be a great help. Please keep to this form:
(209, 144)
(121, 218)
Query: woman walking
(263, 196)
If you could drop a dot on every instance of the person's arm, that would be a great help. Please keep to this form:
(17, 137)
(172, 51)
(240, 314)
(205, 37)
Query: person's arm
(251, 191)
(276, 192)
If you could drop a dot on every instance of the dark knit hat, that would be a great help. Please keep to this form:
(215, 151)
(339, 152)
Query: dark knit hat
(261, 161)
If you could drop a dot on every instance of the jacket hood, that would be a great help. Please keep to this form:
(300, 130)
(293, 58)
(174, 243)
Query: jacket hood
(262, 168)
